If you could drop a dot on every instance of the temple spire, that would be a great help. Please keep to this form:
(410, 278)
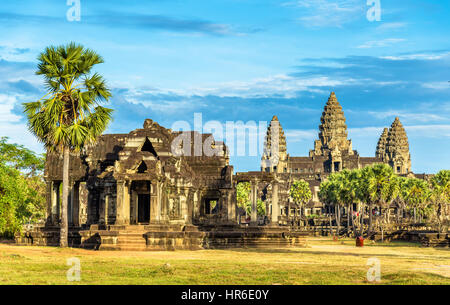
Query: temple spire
(397, 148)
(332, 130)
(275, 152)
(381, 145)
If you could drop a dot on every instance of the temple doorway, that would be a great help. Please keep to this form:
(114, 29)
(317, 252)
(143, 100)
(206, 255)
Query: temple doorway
(140, 202)
(143, 208)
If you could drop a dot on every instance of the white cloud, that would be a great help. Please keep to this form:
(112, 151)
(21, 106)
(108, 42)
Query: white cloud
(421, 56)
(437, 85)
(388, 26)
(280, 85)
(12, 127)
(297, 135)
(380, 43)
(412, 131)
(428, 131)
(277, 85)
(326, 13)
(409, 116)
(6, 106)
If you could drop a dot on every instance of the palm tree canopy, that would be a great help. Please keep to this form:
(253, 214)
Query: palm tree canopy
(415, 192)
(70, 114)
(376, 183)
(441, 186)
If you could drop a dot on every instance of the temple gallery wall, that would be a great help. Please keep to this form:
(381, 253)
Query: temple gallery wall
(134, 182)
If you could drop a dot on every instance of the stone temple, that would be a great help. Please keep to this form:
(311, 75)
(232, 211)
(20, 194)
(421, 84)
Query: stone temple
(146, 190)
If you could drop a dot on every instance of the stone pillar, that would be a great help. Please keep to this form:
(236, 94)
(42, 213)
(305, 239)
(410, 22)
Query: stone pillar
(153, 191)
(231, 204)
(134, 200)
(106, 210)
(190, 206)
(123, 203)
(70, 204)
(102, 208)
(254, 199)
(275, 206)
(184, 211)
(196, 208)
(55, 201)
(83, 193)
(159, 191)
(48, 198)
(76, 204)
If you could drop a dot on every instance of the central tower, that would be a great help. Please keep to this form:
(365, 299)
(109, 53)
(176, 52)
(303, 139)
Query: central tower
(333, 142)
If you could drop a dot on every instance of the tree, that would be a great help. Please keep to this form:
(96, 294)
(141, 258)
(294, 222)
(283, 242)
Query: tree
(243, 199)
(300, 193)
(20, 158)
(347, 191)
(328, 194)
(69, 116)
(441, 194)
(416, 193)
(22, 189)
(374, 187)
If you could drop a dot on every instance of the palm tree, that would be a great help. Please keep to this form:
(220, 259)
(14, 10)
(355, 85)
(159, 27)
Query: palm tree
(348, 191)
(401, 203)
(374, 187)
(328, 194)
(337, 187)
(300, 193)
(416, 193)
(69, 116)
(441, 193)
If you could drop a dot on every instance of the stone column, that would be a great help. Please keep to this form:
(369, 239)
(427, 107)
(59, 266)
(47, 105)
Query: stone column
(159, 200)
(231, 204)
(70, 204)
(76, 205)
(134, 199)
(106, 210)
(123, 203)
(275, 206)
(55, 198)
(48, 198)
(101, 208)
(196, 204)
(254, 199)
(83, 193)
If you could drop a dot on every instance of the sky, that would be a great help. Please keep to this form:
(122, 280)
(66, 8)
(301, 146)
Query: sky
(247, 60)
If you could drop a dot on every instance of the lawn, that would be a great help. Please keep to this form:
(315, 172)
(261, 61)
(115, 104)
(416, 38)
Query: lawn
(323, 261)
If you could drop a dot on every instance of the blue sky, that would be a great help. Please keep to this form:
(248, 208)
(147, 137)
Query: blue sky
(248, 60)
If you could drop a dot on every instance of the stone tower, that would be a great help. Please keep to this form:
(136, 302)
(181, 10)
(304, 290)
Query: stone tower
(397, 149)
(332, 142)
(274, 158)
(381, 145)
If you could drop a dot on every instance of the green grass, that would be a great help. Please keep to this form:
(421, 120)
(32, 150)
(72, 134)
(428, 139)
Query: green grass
(323, 262)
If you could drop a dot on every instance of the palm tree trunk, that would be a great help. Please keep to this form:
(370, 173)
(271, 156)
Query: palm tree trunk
(353, 222)
(362, 219)
(370, 218)
(338, 219)
(300, 216)
(63, 242)
(348, 219)
(329, 217)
